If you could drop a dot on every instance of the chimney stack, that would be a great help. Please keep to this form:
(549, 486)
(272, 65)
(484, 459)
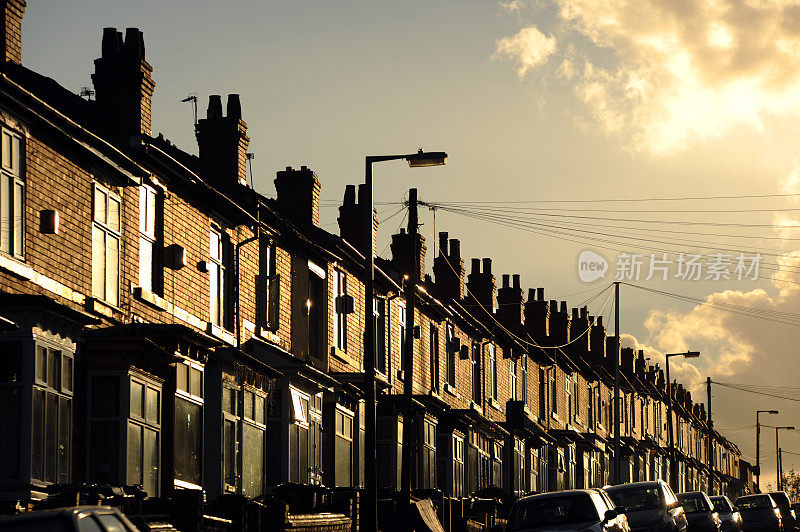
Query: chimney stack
(448, 268)
(223, 143)
(597, 341)
(123, 81)
(578, 331)
(403, 248)
(13, 11)
(559, 324)
(510, 300)
(351, 219)
(537, 316)
(298, 197)
(481, 286)
(627, 360)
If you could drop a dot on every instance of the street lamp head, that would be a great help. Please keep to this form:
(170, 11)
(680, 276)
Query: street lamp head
(422, 159)
(773, 412)
(691, 354)
(788, 428)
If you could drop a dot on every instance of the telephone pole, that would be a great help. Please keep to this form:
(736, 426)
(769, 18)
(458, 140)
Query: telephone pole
(710, 439)
(617, 463)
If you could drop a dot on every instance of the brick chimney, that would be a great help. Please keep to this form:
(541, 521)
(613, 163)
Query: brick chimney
(626, 360)
(481, 286)
(298, 195)
(597, 341)
(122, 80)
(448, 268)
(13, 10)
(223, 142)
(559, 324)
(611, 352)
(510, 302)
(641, 364)
(401, 252)
(578, 331)
(351, 218)
(537, 316)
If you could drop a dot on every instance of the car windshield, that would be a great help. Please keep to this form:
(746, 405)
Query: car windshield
(550, 511)
(693, 503)
(753, 503)
(638, 498)
(721, 505)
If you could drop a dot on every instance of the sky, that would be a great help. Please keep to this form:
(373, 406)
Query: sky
(545, 107)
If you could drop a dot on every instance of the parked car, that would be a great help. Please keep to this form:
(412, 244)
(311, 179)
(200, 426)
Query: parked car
(77, 518)
(700, 512)
(788, 515)
(649, 506)
(584, 510)
(728, 513)
(759, 513)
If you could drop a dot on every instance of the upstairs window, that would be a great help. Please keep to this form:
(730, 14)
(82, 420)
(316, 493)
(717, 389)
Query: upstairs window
(342, 304)
(492, 371)
(105, 245)
(401, 334)
(12, 195)
(270, 283)
(219, 256)
(150, 238)
(568, 389)
(524, 378)
(379, 315)
(542, 393)
(434, 357)
(452, 347)
(512, 373)
(477, 374)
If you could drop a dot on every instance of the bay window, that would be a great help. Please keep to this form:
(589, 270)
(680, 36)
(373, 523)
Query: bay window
(188, 436)
(52, 415)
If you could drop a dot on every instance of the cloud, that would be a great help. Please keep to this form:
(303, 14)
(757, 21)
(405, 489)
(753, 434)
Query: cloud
(529, 48)
(664, 75)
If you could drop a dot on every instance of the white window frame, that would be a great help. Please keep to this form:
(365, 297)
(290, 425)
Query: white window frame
(216, 278)
(12, 194)
(148, 238)
(103, 226)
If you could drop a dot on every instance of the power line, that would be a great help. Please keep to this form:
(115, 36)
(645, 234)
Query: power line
(625, 200)
(774, 396)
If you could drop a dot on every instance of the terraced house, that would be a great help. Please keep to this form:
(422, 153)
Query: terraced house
(164, 325)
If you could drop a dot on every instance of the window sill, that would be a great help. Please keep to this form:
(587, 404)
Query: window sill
(401, 375)
(554, 416)
(526, 410)
(476, 407)
(449, 388)
(344, 357)
(149, 297)
(268, 334)
(99, 306)
(218, 332)
(494, 404)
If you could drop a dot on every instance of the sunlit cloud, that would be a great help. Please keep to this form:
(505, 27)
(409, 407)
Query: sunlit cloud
(662, 76)
(528, 48)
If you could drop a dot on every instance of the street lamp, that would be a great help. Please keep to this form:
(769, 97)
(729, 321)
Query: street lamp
(778, 455)
(688, 354)
(416, 160)
(758, 446)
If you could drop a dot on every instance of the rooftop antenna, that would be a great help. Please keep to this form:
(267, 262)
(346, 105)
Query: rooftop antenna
(192, 98)
(250, 156)
(86, 92)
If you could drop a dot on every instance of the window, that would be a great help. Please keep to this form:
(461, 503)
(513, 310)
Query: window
(52, 415)
(340, 321)
(188, 451)
(542, 393)
(633, 413)
(492, 371)
(230, 420)
(568, 389)
(451, 355)
(518, 467)
(434, 357)
(512, 378)
(379, 314)
(401, 334)
(12, 195)
(524, 378)
(343, 448)
(576, 398)
(426, 473)
(554, 391)
(11, 407)
(144, 427)
(458, 466)
(150, 235)
(316, 311)
(477, 374)
(269, 316)
(105, 246)
(497, 464)
(590, 406)
(245, 410)
(217, 279)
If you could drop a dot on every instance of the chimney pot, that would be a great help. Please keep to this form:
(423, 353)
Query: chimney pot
(134, 43)
(111, 42)
(540, 293)
(476, 266)
(563, 307)
(584, 312)
(215, 107)
(531, 294)
(234, 107)
(515, 277)
(443, 242)
(574, 313)
(349, 195)
(455, 248)
(487, 265)
(599, 321)
(304, 167)
(506, 279)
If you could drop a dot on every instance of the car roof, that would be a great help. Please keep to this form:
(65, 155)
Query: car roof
(556, 494)
(643, 484)
(59, 512)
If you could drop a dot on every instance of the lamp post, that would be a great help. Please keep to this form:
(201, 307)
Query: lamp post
(778, 454)
(758, 446)
(419, 159)
(688, 354)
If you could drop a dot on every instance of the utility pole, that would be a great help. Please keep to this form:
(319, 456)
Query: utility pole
(617, 463)
(408, 359)
(710, 439)
(780, 469)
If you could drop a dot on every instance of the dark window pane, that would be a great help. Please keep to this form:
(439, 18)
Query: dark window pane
(152, 405)
(105, 396)
(10, 362)
(302, 449)
(228, 400)
(344, 463)
(111, 523)
(259, 409)
(229, 452)
(188, 440)
(134, 472)
(137, 399)
(41, 364)
(51, 438)
(53, 367)
(104, 452)
(64, 432)
(88, 524)
(151, 453)
(253, 466)
(10, 433)
(248, 405)
(66, 374)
